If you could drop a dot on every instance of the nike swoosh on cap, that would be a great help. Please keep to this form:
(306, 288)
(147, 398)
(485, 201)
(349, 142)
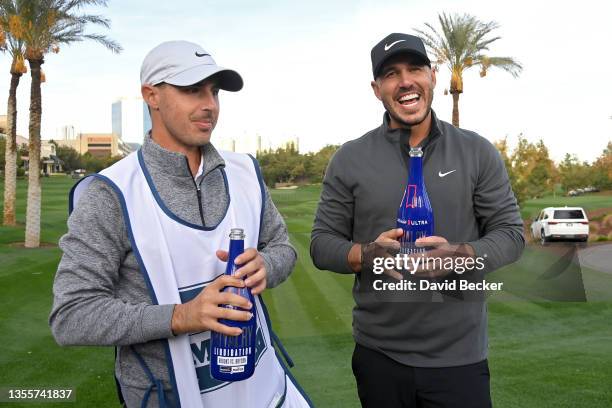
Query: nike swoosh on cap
(388, 46)
(201, 55)
(440, 174)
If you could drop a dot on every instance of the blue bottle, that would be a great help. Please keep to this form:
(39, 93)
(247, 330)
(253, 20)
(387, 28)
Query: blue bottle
(415, 215)
(232, 358)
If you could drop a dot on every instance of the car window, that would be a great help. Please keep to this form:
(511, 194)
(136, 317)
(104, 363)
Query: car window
(568, 214)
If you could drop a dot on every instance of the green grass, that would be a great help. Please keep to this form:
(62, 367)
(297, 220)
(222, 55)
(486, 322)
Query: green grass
(589, 202)
(30, 356)
(542, 353)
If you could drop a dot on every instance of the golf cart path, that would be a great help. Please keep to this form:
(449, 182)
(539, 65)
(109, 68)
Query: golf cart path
(597, 257)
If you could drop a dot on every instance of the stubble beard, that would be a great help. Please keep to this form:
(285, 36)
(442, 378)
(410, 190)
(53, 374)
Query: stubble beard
(417, 121)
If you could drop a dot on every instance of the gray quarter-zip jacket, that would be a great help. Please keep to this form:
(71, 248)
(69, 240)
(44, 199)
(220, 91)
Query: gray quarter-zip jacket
(100, 296)
(472, 202)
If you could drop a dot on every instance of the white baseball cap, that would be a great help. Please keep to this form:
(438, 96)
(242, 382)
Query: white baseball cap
(184, 63)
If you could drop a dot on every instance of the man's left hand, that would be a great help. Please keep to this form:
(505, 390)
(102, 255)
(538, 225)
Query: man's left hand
(252, 266)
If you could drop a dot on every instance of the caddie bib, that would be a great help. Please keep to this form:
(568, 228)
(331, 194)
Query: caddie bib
(177, 260)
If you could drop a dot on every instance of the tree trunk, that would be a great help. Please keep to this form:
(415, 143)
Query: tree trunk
(32, 232)
(10, 166)
(455, 108)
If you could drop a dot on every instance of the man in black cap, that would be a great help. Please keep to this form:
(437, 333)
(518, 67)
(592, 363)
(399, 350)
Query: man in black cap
(416, 354)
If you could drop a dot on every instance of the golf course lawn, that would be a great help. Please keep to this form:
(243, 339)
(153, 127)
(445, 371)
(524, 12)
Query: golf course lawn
(542, 353)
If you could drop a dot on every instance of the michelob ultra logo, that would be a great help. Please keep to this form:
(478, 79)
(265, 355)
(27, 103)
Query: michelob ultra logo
(411, 190)
(413, 223)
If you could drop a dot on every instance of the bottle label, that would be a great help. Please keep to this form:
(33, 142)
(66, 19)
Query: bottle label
(413, 223)
(232, 361)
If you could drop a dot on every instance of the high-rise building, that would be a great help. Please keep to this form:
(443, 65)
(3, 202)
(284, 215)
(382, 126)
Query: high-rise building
(67, 132)
(254, 143)
(131, 119)
(280, 142)
(247, 143)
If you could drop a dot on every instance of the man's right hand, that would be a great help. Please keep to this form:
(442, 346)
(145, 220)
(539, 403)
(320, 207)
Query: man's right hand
(355, 254)
(390, 236)
(202, 312)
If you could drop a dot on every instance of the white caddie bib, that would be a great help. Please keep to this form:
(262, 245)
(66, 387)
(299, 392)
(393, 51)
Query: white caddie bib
(178, 260)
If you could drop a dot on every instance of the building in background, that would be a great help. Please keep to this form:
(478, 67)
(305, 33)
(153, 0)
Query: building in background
(254, 144)
(130, 119)
(49, 162)
(20, 140)
(284, 143)
(67, 132)
(225, 143)
(97, 144)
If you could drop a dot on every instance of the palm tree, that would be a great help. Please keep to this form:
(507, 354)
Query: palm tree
(14, 47)
(45, 25)
(462, 44)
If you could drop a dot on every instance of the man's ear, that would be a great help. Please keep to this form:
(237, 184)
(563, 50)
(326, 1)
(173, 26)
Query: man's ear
(150, 95)
(433, 77)
(376, 88)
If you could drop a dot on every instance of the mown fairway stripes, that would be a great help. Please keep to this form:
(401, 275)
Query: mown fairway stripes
(542, 354)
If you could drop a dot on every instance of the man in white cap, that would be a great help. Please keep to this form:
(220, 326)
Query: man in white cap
(144, 255)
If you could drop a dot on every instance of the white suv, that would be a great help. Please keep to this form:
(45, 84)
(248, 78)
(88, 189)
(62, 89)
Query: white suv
(560, 223)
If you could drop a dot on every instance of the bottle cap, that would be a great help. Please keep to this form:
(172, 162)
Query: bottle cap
(416, 152)
(237, 233)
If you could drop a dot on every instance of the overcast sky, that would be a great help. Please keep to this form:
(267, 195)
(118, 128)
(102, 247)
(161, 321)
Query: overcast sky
(307, 71)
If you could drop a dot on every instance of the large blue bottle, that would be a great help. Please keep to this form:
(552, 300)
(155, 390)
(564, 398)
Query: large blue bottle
(415, 215)
(232, 358)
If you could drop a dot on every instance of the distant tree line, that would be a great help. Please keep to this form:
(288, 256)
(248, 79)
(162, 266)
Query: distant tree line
(72, 160)
(531, 171)
(287, 165)
(86, 161)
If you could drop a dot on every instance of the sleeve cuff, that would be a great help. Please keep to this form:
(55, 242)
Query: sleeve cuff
(478, 247)
(157, 322)
(271, 277)
(481, 250)
(344, 251)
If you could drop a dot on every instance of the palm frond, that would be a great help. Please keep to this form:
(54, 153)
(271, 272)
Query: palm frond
(86, 19)
(79, 4)
(110, 44)
(53, 22)
(461, 42)
(507, 64)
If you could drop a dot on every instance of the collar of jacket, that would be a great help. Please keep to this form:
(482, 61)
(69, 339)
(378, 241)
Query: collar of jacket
(174, 163)
(403, 135)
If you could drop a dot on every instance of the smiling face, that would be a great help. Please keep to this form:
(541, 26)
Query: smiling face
(183, 116)
(405, 87)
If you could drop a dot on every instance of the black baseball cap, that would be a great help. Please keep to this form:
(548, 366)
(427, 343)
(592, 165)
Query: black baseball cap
(394, 44)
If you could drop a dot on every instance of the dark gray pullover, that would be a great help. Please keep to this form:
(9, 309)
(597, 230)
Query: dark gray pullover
(100, 297)
(362, 190)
